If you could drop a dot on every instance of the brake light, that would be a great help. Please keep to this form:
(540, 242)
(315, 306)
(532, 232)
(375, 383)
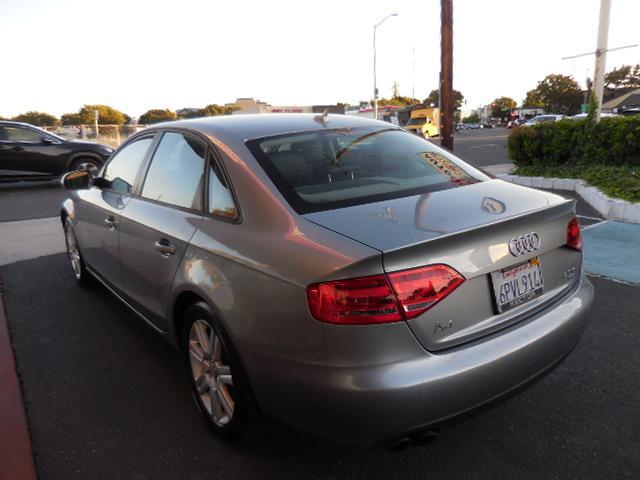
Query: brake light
(574, 236)
(419, 289)
(382, 298)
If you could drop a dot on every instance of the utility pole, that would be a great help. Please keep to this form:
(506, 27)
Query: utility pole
(446, 75)
(601, 53)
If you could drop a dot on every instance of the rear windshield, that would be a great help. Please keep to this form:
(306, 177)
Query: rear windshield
(417, 121)
(327, 169)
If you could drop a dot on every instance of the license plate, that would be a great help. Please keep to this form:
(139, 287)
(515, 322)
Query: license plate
(517, 284)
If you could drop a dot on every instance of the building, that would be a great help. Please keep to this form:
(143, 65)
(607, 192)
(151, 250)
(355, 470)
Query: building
(250, 105)
(627, 101)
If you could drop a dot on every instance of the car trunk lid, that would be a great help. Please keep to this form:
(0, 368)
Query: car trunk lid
(468, 228)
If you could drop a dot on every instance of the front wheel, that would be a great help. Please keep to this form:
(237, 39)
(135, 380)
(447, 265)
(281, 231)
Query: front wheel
(219, 384)
(89, 164)
(82, 276)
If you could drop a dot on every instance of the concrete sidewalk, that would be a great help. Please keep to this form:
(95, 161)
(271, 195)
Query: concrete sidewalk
(26, 239)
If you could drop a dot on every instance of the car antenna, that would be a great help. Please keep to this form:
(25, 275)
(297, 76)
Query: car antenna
(322, 118)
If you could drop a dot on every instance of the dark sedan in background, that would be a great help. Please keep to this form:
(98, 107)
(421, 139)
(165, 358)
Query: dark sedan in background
(28, 149)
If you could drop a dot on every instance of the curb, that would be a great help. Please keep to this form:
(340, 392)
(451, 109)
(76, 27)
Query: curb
(609, 208)
(16, 455)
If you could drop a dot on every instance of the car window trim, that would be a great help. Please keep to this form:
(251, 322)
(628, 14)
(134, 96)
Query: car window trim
(130, 140)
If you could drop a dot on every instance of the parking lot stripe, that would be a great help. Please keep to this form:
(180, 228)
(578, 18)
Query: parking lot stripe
(16, 456)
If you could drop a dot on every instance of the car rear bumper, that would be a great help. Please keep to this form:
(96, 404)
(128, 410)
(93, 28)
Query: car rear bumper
(370, 405)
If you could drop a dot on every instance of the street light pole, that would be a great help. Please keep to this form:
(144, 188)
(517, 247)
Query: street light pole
(375, 85)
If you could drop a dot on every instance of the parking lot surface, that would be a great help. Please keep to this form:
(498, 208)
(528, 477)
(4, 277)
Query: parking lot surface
(107, 398)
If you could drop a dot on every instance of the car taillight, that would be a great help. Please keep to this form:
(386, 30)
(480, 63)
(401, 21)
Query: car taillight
(382, 298)
(574, 236)
(419, 289)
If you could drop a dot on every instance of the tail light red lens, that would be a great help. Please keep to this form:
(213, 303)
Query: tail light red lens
(574, 236)
(382, 298)
(419, 289)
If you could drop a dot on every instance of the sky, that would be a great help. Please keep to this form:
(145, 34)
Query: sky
(137, 54)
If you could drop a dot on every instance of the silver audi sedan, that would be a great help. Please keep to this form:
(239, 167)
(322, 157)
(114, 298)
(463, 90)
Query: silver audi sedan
(335, 273)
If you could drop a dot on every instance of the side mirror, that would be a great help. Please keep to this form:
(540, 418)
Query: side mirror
(47, 140)
(77, 180)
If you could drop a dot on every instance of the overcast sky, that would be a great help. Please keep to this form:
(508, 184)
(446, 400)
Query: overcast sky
(135, 55)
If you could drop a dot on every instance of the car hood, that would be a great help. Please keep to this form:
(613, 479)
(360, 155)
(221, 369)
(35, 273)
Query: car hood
(401, 222)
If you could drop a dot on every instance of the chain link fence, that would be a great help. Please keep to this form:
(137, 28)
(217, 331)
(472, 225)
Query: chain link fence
(112, 135)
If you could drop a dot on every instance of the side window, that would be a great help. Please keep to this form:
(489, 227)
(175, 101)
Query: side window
(17, 134)
(176, 174)
(121, 171)
(220, 198)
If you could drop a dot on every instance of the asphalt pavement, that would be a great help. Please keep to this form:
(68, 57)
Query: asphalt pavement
(108, 398)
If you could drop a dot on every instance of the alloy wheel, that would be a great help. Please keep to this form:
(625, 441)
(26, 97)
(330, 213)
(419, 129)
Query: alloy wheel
(72, 250)
(211, 373)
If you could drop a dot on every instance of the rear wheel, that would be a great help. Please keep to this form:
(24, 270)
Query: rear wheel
(220, 387)
(82, 276)
(87, 163)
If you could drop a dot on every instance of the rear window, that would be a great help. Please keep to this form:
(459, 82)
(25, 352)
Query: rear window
(327, 169)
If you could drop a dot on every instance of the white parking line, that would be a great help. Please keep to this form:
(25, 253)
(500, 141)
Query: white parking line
(27, 239)
(593, 225)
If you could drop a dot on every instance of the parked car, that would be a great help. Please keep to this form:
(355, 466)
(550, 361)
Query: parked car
(25, 148)
(472, 126)
(583, 116)
(516, 122)
(486, 125)
(543, 119)
(336, 273)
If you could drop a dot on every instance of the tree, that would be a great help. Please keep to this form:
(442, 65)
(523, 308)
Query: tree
(624, 76)
(502, 106)
(399, 101)
(473, 118)
(395, 91)
(106, 115)
(213, 110)
(40, 119)
(434, 98)
(71, 119)
(157, 115)
(557, 94)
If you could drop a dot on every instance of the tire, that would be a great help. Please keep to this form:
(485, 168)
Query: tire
(218, 382)
(78, 267)
(89, 160)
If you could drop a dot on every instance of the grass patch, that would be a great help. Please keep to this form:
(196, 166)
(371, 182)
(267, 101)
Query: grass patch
(617, 181)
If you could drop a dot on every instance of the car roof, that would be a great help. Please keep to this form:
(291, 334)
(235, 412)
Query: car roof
(248, 126)
(16, 124)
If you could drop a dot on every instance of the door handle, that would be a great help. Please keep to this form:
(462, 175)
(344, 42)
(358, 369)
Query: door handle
(111, 222)
(164, 247)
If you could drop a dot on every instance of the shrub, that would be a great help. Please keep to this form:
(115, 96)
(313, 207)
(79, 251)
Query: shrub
(613, 141)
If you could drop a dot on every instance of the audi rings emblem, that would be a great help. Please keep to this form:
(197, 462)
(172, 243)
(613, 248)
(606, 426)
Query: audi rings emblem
(529, 242)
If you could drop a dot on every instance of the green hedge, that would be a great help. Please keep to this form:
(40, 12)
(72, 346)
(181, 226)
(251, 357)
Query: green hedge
(613, 141)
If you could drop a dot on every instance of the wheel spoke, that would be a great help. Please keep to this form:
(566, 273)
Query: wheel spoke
(223, 370)
(202, 336)
(202, 385)
(225, 400)
(216, 407)
(216, 347)
(196, 351)
(226, 379)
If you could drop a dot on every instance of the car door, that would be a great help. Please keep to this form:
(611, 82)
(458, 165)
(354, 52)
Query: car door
(17, 149)
(98, 211)
(156, 226)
